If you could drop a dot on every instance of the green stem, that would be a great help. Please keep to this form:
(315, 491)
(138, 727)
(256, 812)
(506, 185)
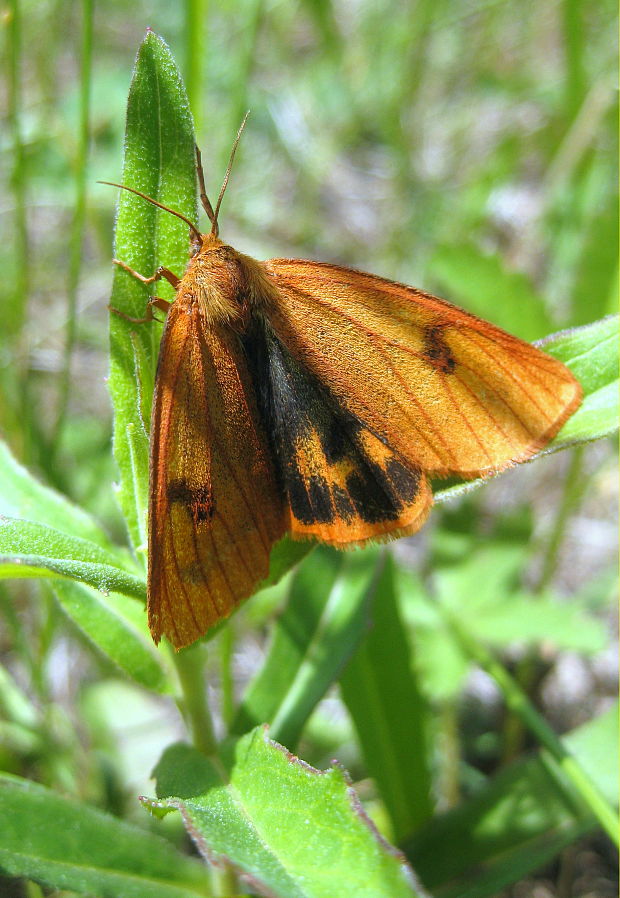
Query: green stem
(575, 485)
(573, 26)
(21, 407)
(239, 89)
(227, 643)
(520, 705)
(190, 664)
(449, 782)
(574, 488)
(79, 220)
(15, 312)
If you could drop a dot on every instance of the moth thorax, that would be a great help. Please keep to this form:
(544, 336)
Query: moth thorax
(222, 285)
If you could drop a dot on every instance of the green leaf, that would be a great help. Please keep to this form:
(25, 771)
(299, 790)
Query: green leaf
(484, 590)
(15, 705)
(296, 832)
(116, 625)
(516, 822)
(595, 288)
(390, 715)
(159, 161)
(22, 496)
(322, 624)
(591, 352)
(483, 286)
(441, 665)
(66, 844)
(285, 554)
(34, 550)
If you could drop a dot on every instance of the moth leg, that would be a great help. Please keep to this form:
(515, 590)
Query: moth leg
(155, 301)
(161, 272)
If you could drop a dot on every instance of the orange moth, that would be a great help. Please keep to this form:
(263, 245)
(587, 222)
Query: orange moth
(315, 400)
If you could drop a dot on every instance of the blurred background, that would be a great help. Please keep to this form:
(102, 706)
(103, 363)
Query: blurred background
(468, 148)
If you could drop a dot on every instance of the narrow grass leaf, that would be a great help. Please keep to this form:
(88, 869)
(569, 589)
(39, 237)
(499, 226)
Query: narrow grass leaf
(321, 626)
(516, 822)
(389, 713)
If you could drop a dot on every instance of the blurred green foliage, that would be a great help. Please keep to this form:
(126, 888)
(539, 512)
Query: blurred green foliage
(469, 149)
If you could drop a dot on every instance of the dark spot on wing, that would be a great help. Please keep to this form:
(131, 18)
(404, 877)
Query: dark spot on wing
(320, 499)
(197, 499)
(372, 494)
(437, 352)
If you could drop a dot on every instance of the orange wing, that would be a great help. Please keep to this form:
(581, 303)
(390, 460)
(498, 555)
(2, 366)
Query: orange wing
(446, 391)
(214, 510)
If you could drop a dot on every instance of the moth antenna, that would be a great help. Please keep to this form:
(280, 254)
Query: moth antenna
(195, 232)
(204, 199)
(214, 225)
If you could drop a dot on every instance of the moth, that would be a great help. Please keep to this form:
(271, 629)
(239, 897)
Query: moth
(303, 398)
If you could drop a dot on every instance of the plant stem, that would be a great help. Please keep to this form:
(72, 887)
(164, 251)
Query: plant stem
(78, 223)
(21, 407)
(520, 705)
(575, 486)
(14, 313)
(196, 17)
(226, 646)
(190, 664)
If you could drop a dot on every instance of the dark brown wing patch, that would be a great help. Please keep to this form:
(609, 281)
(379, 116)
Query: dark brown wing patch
(343, 484)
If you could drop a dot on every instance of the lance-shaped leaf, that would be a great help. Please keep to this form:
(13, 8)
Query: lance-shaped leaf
(22, 496)
(116, 625)
(389, 712)
(66, 844)
(159, 161)
(34, 550)
(591, 352)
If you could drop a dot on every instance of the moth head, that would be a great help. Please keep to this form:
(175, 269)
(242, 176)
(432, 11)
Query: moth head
(198, 241)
